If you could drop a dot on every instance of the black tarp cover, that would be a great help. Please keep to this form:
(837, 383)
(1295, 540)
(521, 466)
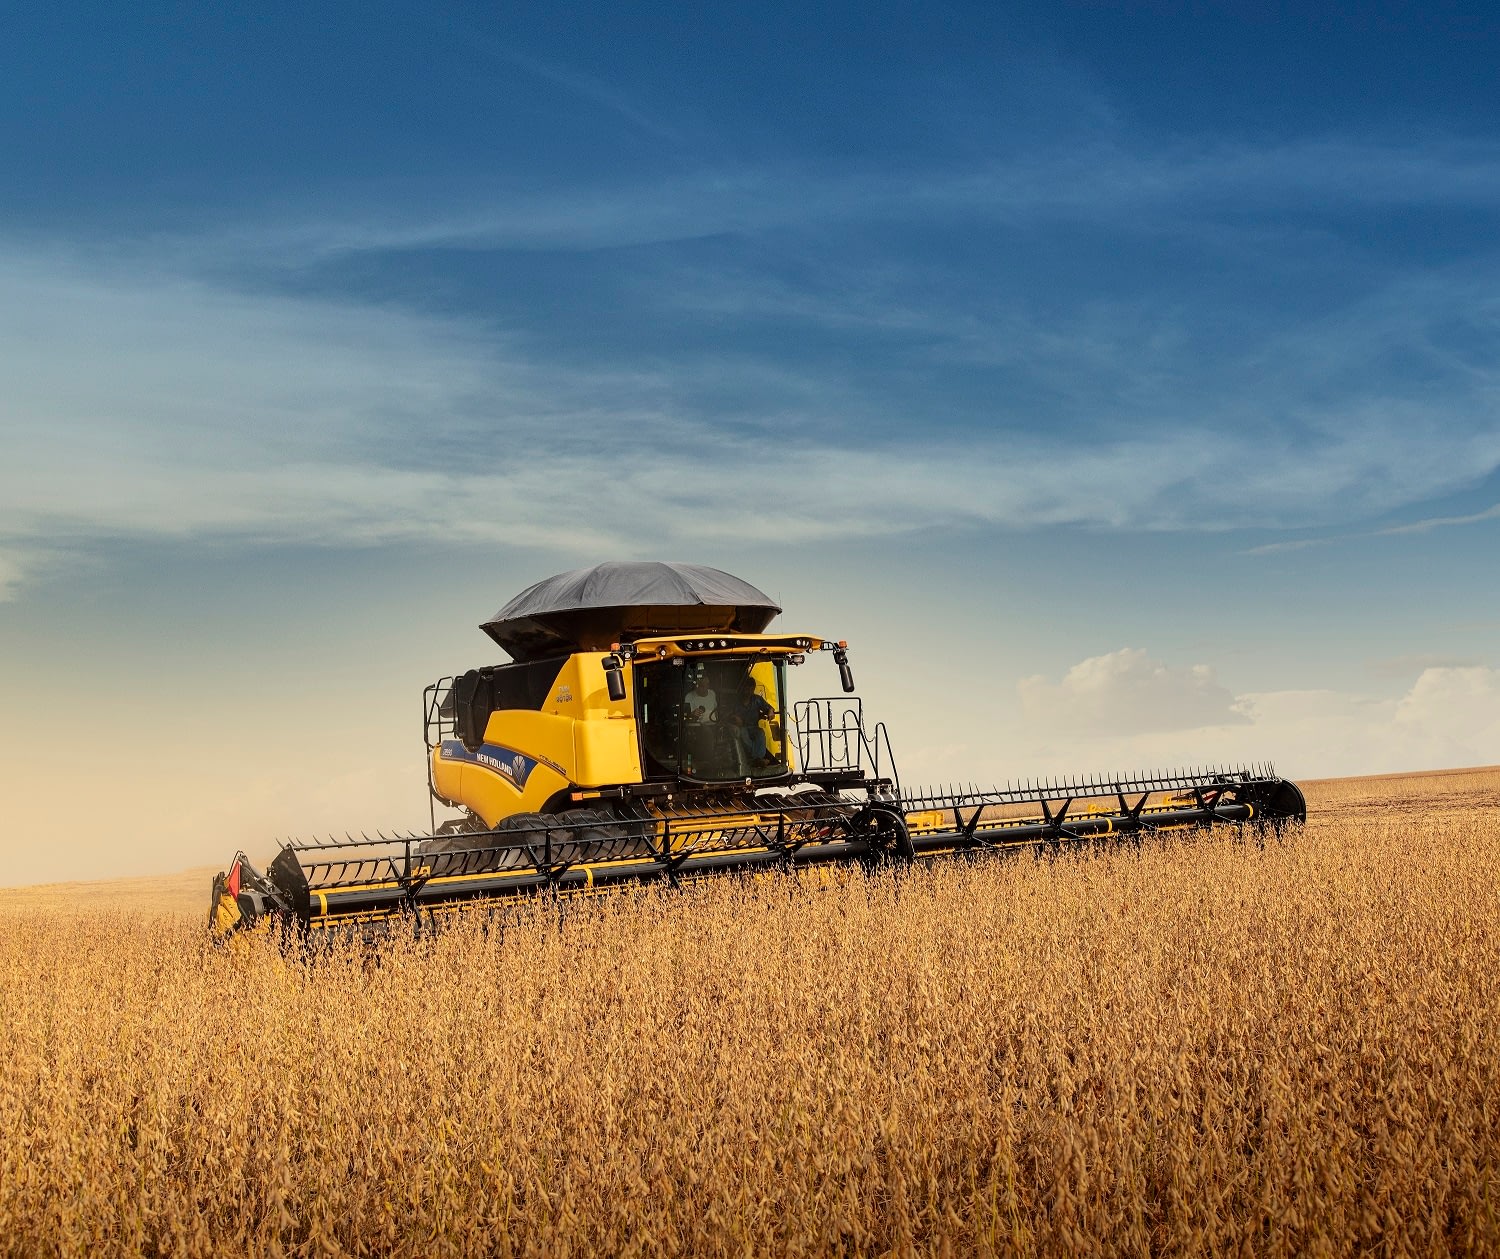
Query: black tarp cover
(590, 608)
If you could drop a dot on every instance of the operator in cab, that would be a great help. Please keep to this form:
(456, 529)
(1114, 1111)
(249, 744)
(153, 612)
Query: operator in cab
(701, 702)
(746, 711)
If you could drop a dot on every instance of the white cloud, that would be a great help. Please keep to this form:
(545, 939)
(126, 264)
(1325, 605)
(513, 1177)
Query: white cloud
(1125, 710)
(1127, 690)
(14, 566)
(1451, 715)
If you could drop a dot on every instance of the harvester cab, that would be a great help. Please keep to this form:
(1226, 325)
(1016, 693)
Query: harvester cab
(631, 683)
(644, 729)
(650, 718)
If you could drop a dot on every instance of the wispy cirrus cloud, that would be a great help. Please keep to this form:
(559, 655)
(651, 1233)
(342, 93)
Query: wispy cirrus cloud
(151, 403)
(1123, 185)
(204, 383)
(606, 96)
(1440, 522)
(1393, 531)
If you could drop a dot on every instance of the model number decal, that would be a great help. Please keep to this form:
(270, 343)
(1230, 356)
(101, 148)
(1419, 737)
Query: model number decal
(515, 767)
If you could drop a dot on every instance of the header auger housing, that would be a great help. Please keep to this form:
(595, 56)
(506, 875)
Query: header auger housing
(643, 731)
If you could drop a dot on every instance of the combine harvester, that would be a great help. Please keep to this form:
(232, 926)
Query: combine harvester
(644, 731)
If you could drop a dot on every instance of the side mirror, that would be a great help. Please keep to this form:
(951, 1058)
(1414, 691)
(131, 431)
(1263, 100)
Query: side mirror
(846, 674)
(614, 678)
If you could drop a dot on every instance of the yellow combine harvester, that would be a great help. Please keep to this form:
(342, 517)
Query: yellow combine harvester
(643, 731)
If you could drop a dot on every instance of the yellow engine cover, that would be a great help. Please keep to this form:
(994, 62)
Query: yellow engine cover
(579, 738)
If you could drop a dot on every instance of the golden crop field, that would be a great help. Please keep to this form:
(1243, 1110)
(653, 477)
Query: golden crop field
(1196, 1047)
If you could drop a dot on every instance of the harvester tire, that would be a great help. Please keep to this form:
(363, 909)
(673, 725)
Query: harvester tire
(460, 846)
(599, 835)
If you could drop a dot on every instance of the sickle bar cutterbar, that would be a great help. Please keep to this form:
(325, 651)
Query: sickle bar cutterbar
(415, 878)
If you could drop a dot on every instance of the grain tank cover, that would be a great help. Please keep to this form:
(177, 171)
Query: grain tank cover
(590, 608)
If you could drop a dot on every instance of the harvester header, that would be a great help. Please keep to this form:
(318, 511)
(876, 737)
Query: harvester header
(644, 730)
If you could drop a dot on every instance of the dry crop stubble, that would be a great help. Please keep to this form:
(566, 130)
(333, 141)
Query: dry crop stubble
(1197, 1046)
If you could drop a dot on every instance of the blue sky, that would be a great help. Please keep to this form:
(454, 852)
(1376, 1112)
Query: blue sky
(1121, 381)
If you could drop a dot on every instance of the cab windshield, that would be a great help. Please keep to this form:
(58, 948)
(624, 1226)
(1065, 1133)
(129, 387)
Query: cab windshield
(714, 720)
